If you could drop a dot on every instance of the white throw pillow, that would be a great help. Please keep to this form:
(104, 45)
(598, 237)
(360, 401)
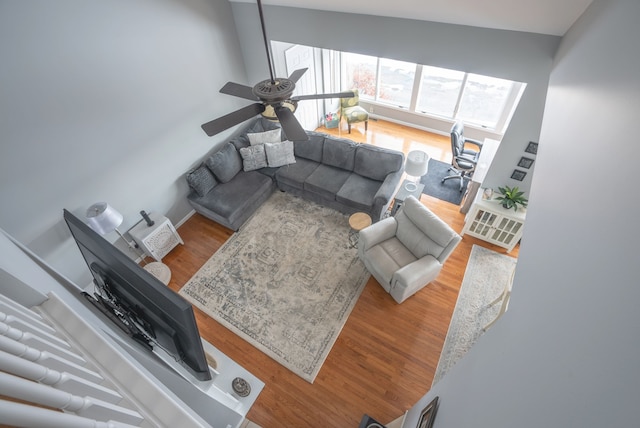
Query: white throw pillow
(272, 136)
(279, 154)
(253, 157)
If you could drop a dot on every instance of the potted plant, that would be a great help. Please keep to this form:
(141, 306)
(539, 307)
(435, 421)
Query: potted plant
(512, 197)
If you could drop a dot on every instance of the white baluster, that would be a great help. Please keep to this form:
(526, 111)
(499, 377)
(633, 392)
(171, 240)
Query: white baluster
(60, 380)
(23, 415)
(91, 407)
(32, 340)
(47, 359)
(14, 308)
(27, 325)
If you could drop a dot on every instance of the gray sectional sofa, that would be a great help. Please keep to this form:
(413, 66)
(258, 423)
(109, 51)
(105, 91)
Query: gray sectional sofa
(334, 172)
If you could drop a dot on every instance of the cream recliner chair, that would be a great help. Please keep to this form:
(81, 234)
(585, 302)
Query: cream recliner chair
(406, 252)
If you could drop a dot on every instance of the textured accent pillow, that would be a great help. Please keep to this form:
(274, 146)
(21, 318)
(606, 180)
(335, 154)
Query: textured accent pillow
(279, 154)
(225, 163)
(272, 136)
(201, 180)
(253, 157)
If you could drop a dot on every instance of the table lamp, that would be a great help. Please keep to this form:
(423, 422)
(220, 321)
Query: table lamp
(103, 219)
(417, 165)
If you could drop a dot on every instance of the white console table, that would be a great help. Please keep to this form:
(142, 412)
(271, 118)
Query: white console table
(157, 240)
(489, 221)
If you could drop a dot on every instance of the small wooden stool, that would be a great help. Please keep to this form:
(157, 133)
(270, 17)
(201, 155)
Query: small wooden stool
(357, 222)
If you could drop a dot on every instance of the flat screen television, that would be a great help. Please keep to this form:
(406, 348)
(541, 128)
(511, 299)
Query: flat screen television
(142, 306)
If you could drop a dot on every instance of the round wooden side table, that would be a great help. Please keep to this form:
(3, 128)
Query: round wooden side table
(357, 222)
(159, 270)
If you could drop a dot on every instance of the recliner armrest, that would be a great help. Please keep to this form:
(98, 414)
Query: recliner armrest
(409, 279)
(377, 233)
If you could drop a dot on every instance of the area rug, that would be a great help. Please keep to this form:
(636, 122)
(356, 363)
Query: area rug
(449, 190)
(286, 282)
(485, 278)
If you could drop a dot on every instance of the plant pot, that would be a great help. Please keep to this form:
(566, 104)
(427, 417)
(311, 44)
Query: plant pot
(329, 124)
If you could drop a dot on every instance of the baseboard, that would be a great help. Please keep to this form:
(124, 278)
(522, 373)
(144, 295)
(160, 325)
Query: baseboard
(185, 218)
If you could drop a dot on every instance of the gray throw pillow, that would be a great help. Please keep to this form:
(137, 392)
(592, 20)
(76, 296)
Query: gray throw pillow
(253, 157)
(201, 180)
(279, 154)
(225, 163)
(273, 136)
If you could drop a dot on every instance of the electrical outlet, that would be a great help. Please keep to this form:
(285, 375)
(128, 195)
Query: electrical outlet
(370, 109)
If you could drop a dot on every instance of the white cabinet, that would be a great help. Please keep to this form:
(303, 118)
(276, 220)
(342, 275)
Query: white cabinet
(157, 240)
(489, 221)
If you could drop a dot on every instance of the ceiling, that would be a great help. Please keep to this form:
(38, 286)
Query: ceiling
(553, 17)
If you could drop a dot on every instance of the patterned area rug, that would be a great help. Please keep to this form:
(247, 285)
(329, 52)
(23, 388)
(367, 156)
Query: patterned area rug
(485, 278)
(286, 282)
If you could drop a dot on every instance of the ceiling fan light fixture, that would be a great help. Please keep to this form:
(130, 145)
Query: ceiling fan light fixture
(269, 112)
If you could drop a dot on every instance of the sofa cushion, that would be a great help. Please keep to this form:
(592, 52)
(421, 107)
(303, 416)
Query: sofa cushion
(311, 149)
(259, 125)
(326, 181)
(376, 162)
(253, 157)
(201, 180)
(339, 152)
(272, 136)
(225, 163)
(295, 174)
(387, 257)
(232, 199)
(358, 192)
(279, 154)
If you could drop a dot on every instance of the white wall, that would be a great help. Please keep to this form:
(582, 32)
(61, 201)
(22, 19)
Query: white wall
(566, 353)
(523, 57)
(104, 101)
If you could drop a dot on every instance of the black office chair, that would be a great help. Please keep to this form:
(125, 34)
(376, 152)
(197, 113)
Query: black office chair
(464, 160)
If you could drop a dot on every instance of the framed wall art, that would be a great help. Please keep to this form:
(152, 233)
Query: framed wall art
(532, 148)
(428, 414)
(525, 162)
(518, 175)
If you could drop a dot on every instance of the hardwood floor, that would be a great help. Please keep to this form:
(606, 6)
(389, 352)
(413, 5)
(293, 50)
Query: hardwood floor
(385, 357)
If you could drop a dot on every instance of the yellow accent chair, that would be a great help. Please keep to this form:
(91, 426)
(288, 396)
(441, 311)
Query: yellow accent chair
(352, 112)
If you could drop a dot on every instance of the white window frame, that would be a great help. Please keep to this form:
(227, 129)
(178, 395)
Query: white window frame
(510, 104)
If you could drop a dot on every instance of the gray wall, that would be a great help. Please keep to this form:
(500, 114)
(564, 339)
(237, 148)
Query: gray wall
(104, 101)
(566, 353)
(524, 57)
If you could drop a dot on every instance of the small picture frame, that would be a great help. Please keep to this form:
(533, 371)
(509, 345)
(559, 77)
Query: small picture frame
(428, 414)
(518, 175)
(525, 162)
(532, 148)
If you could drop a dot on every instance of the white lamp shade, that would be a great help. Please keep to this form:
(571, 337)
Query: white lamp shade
(417, 163)
(103, 218)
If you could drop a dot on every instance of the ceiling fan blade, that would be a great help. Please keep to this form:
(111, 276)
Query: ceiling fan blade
(347, 94)
(238, 90)
(297, 74)
(232, 119)
(292, 129)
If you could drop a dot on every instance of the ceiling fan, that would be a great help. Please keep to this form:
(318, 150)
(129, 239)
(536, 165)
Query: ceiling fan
(274, 99)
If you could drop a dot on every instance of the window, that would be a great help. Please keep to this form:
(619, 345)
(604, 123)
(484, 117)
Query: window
(479, 100)
(396, 82)
(439, 91)
(360, 71)
(484, 99)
